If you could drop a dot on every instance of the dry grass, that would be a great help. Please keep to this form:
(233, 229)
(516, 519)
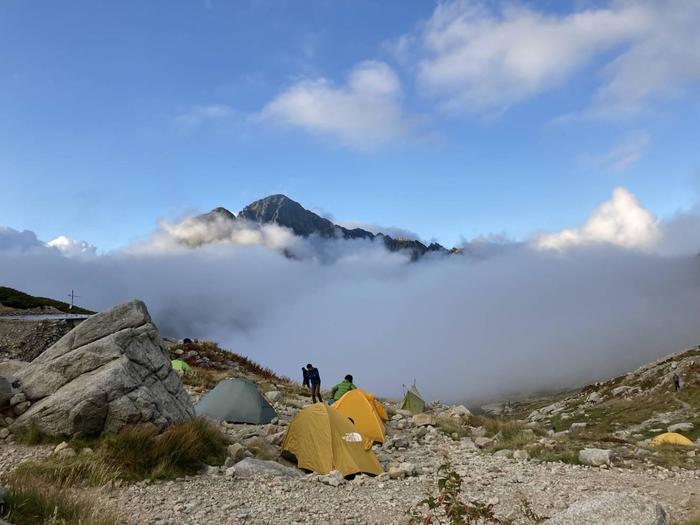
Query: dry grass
(221, 358)
(30, 501)
(135, 453)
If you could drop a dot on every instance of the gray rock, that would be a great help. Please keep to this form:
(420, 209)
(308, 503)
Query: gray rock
(21, 408)
(17, 399)
(421, 420)
(577, 427)
(273, 396)
(230, 472)
(251, 467)
(594, 457)
(4, 433)
(681, 427)
(594, 397)
(521, 455)
(482, 442)
(334, 478)
(503, 453)
(612, 509)
(110, 371)
(236, 452)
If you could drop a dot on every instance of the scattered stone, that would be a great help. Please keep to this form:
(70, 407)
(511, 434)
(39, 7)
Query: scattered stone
(594, 397)
(482, 442)
(594, 457)
(503, 453)
(251, 467)
(236, 452)
(421, 420)
(21, 408)
(4, 432)
(273, 396)
(17, 399)
(521, 455)
(613, 509)
(334, 478)
(681, 427)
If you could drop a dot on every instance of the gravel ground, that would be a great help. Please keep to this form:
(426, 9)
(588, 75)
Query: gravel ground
(549, 487)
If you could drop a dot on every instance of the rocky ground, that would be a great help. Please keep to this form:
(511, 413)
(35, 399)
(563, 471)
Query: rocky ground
(549, 487)
(557, 454)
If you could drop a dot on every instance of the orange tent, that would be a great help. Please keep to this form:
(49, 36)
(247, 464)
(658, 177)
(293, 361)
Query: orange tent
(361, 407)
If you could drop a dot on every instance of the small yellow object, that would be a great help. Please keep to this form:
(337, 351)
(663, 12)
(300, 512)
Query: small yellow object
(671, 438)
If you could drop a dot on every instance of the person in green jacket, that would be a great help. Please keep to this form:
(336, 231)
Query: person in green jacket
(342, 388)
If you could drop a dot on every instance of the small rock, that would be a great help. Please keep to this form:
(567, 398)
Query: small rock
(504, 453)
(230, 472)
(594, 457)
(612, 509)
(17, 399)
(273, 396)
(236, 452)
(21, 408)
(334, 478)
(521, 455)
(61, 446)
(594, 397)
(681, 427)
(482, 442)
(4, 433)
(421, 420)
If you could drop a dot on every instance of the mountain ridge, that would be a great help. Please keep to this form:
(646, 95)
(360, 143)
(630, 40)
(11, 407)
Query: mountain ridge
(284, 211)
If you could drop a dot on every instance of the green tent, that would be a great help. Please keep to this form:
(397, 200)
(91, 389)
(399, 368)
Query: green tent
(413, 401)
(179, 364)
(236, 401)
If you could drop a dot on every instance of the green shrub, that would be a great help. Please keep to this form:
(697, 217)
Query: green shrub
(447, 506)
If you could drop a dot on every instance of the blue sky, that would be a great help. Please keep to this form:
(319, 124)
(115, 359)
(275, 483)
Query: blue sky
(449, 119)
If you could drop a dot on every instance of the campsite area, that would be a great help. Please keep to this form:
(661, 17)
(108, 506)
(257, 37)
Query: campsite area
(240, 444)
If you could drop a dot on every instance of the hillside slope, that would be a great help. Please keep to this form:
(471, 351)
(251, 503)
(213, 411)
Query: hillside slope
(16, 300)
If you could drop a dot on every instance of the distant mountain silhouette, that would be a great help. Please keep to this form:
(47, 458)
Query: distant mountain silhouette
(280, 209)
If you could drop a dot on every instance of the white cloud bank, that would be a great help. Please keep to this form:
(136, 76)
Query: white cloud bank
(365, 112)
(513, 319)
(484, 57)
(621, 221)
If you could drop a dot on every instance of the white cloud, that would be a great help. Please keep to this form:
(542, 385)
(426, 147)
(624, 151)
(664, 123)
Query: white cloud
(626, 153)
(199, 115)
(19, 241)
(621, 221)
(484, 58)
(364, 112)
(73, 248)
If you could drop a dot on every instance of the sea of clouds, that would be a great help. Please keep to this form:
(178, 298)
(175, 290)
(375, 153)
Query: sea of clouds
(556, 310)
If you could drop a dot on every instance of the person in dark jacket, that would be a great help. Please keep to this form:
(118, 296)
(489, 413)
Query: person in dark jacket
(342, 388)
(305, 374)
(315, 381)
(676, 382)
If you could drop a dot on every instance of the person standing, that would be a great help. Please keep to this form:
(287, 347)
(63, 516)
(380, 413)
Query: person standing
(305, 374)
(676, 382)
(315, 381)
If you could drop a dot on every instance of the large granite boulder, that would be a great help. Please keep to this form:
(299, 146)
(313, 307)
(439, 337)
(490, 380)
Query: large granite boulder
(110, 371)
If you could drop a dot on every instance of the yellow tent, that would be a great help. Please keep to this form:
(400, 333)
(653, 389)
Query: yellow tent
(323, 440)
(361, 407)
(671, 438)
